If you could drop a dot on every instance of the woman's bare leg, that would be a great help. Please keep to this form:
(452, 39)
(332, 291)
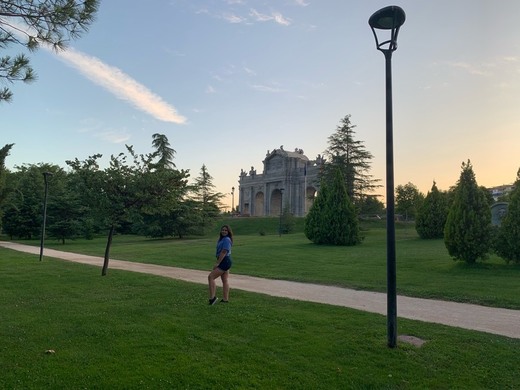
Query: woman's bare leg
(211, 281)
(225, 285)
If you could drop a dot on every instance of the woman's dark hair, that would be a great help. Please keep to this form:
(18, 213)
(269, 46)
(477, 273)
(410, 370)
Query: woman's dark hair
(229, 232)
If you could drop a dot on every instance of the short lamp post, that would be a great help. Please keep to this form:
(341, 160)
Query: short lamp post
(390, 19)
(232, 200)
(46, 181)
(281, 212)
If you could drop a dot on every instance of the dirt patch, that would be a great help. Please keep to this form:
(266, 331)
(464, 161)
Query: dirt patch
(416, 341)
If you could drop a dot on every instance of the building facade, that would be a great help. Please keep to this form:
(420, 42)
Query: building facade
(289, 181)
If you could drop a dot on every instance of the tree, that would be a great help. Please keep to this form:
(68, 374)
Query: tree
(408, 199)
(31, 23)
(507, 244)
(287, 221)
(467, 234)
(332, 219)
(125, 189)
(66, 214)
(354, 161)
(24, 202)
(432, 214)
(4, 152)
(371, 205)
(207, 200)
(165, 153)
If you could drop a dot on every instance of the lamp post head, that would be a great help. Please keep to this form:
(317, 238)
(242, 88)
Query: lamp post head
(387, 18)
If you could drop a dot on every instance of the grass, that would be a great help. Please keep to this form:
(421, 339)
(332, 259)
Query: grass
(424, 268)
(129, 331)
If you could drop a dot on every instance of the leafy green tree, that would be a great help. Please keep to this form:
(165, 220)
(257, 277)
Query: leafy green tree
(432, 214)
(353, 160)
(126, 189)
(23, 211)
(408, 198)
(332, 219)
(467, 233)
(32, 22)
(507, 244)
(371, 205)
(66, 216)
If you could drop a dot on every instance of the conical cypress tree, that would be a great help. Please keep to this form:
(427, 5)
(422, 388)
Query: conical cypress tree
(432, 214)
(332, 219)
(508, 241)
(467, 234)
(314, 223)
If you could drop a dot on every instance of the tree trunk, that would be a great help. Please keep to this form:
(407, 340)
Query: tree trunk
(107, 251)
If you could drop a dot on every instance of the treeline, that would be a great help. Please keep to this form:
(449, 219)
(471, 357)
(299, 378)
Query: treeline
(135, 194)
(460, 216)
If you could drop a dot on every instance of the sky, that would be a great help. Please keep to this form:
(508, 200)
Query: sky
(227, 80)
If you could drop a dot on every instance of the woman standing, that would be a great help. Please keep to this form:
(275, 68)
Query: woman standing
(222, 265)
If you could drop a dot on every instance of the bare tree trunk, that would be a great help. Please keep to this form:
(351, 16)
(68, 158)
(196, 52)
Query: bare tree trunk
(107, 251)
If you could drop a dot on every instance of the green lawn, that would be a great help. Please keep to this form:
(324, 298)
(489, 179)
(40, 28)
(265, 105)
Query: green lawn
(138, 331)
(424, 268)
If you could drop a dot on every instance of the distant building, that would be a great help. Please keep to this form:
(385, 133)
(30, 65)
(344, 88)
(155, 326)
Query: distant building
(497, 192)
(289, 180)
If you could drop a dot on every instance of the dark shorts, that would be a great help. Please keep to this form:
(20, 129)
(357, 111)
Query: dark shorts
(225, 264)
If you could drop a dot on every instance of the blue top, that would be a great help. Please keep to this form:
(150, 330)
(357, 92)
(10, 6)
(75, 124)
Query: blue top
(224, 243)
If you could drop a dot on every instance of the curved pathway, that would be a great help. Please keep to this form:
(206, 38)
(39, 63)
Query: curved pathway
(499, 321)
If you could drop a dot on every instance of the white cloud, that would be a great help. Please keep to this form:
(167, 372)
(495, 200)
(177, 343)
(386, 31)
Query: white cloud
(280, 19)
(266, 88)
(249, 71)
(471, 69)
(115, 137)
(231, 18)
(210, 89)
(275, 16)
(121, 85)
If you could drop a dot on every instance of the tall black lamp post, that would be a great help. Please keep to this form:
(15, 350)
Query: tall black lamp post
(281, 212)
(46, 180)
(390, 18)
(232, 200)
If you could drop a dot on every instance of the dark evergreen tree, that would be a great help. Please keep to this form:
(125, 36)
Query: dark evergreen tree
(507, 244)
(314, 221)
(371, 206)
(353, 160)
(432, 214)
(66, 214)
(467, 233)
(332, 219)
(163, 150)
(287, 221)
(206, 199)
(4, 152)
(23, 209)
(52, 22)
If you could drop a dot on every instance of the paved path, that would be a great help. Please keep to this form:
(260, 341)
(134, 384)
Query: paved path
(504, 322)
